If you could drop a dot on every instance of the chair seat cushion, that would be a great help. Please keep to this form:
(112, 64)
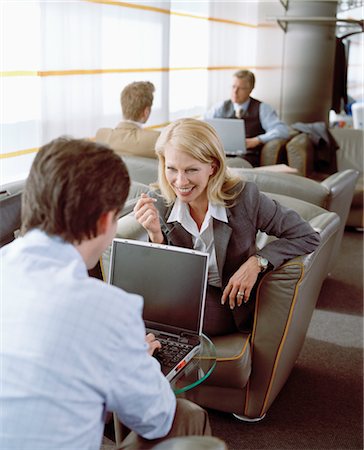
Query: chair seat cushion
(233, 361)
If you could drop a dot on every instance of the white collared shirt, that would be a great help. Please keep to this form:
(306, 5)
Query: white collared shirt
(74, 347)
(203, 239)
(241, 106)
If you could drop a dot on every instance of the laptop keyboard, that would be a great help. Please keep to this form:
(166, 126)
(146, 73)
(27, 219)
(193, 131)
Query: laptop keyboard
(171, 352)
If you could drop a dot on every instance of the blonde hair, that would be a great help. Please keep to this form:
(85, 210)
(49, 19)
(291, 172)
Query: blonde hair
(135, 97)
(199, 140)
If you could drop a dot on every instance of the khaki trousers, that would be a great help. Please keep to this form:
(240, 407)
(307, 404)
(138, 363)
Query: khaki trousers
(189, 420)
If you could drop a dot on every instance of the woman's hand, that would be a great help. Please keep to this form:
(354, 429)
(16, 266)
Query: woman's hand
(241, 283)
(152, 342)
(147, 215)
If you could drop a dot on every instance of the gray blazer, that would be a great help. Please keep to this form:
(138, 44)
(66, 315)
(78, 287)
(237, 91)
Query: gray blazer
(235, 241)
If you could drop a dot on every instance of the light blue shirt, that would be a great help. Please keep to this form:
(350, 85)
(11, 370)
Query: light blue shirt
(273, 127)
(203, 239)
(72, 348)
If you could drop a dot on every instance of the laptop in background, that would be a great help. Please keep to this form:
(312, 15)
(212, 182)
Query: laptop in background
(172, 281)
(231, 133)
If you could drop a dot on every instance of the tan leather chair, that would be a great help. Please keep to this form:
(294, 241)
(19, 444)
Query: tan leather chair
(252, 367)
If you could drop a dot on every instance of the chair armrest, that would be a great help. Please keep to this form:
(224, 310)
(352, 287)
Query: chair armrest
(341, 185)
(136, 189)
(300, 154)
(141, 169)
(273, 152)
(286, 298)
(286, 184)
(238, 162)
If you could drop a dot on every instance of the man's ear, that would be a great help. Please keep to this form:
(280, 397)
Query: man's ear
(104, 222)
(146, 113)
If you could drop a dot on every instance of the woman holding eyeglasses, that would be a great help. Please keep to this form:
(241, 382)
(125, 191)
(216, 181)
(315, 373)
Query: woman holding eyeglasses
(197, 203)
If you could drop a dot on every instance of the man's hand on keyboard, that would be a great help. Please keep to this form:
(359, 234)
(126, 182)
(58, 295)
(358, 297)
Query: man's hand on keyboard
(152, 343)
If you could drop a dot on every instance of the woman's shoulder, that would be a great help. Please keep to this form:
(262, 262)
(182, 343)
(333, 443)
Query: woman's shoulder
(243, 191)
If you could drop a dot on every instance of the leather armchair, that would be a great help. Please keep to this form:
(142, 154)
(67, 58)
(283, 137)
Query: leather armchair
(252, 367)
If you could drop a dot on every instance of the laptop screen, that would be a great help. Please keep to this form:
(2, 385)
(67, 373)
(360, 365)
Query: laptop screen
(172, 281)
(231, 133)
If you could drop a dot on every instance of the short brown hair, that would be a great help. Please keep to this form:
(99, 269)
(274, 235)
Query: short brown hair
(135, 97)
(246, 75)
(70, 184)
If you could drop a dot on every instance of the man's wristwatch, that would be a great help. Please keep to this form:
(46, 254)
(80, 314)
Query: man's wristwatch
(262, 263)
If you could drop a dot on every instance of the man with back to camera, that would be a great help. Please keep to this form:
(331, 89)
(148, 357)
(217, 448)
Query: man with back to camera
(74, 347)
(261, 121)
(129, 137)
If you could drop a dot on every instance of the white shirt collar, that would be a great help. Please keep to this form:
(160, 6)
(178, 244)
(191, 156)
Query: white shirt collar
(239, 106)
(180, 212)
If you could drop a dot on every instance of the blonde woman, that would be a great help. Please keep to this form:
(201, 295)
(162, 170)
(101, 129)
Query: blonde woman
(199, 204)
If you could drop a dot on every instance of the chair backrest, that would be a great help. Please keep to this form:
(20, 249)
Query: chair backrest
(141, 169)
(350, 153)
(145, 170)
(136, 189)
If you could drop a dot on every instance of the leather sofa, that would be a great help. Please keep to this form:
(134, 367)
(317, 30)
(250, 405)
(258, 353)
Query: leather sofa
(252, 367)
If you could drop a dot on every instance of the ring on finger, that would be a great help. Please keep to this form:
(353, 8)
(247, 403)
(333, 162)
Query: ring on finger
(240, 294)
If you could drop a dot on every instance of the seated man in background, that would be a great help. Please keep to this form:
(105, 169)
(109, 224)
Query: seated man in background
(129, 137)
(261, 121)
(74, 347)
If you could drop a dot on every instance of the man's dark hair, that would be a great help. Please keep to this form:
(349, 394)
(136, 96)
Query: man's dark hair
(70, 184)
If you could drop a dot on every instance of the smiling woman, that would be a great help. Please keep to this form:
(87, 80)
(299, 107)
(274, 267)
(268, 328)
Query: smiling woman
(200, 205)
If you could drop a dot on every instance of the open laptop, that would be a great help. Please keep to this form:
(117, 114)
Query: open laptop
(231, 133)
(172, 281)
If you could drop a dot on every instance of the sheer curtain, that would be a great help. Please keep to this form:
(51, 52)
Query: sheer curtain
(65, 76)
(65, 63)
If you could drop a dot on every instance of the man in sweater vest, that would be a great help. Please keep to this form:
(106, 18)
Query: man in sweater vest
(261, 121)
